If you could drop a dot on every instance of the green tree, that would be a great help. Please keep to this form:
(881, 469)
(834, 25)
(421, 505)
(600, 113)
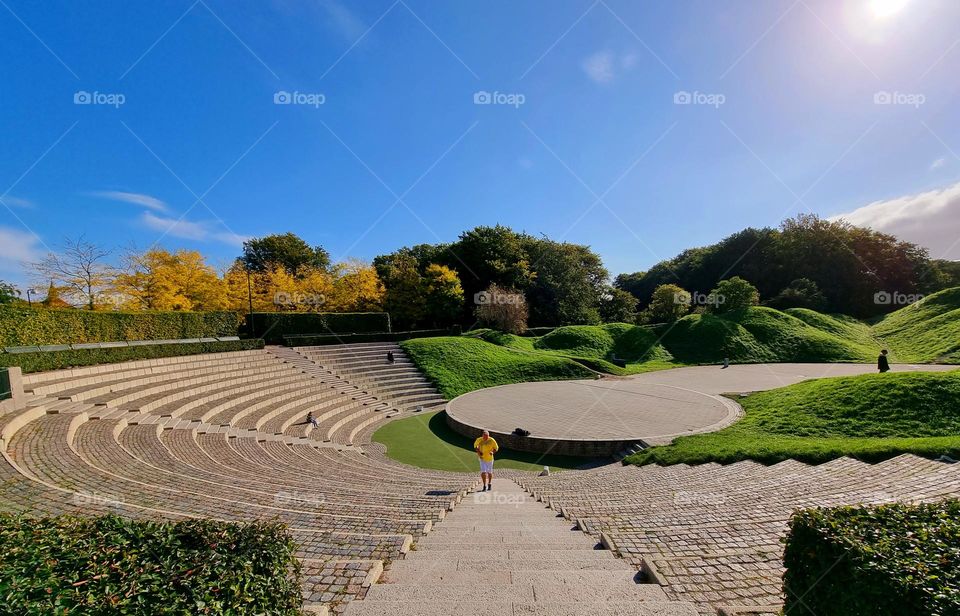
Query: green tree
(617, 306)
(404, 298)
(287, 250)
(8, 293)
(567, 285)
(801, 293)
(734, 294)
(486, 255)
(669, 303)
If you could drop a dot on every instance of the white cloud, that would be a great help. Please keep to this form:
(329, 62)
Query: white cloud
(940, 162)
(17, 202)
(191, 230)
(605, 66)
(18, 247)
(135, 198)
(930, 219)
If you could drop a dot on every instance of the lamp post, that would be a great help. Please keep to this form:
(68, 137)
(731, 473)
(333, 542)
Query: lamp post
(29, 301)
(249, 301)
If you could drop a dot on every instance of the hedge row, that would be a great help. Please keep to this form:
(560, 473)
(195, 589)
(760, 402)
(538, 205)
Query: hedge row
(111, 565)
(273, 326)
(891, 560)
(41, 361)
(29, 327)
(372, 337)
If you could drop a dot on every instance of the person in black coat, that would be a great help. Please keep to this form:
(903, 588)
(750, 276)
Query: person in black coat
(883, 365)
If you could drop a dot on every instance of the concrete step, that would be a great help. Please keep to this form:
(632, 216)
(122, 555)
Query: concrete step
(571, 543)
(515, 592)
(560, 576)
(503, 608)
(414, 566)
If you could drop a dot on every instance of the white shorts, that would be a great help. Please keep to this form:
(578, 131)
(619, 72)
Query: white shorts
(486, 467)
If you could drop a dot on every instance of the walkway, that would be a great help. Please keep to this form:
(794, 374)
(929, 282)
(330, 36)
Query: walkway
(501, 553)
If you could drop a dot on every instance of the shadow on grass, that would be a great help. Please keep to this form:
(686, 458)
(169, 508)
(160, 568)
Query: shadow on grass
(428, 442)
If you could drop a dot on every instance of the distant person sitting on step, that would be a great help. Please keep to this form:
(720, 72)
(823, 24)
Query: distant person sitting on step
(883, 364)
(390, 356)
(312, 420)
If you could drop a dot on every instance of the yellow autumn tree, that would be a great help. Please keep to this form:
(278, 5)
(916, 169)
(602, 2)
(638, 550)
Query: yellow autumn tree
(272, 290)
(160, 280)
(356, 288)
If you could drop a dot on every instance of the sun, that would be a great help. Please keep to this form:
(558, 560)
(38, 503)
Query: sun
(886, 8)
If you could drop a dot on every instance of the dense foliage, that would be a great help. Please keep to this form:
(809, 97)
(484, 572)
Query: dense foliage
(870, 417)
(286, 250)
(849, 265)
(273, 326)
(27, 327)
(41, 361)
(111, 565)
(417, 293)
(889, 560)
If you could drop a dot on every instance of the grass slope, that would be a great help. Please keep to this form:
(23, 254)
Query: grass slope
(457, 365)
(928, 331)
(870, 417)
(427, 441)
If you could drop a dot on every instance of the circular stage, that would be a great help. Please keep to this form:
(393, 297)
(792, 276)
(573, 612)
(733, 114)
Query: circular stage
(588, 418)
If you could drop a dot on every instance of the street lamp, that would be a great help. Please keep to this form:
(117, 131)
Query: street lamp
(250, 301)
(30, 292)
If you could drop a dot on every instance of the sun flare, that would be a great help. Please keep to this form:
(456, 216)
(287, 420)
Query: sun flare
(886, 8)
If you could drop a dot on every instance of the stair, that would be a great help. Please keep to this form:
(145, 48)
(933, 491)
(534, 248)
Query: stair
(501, 553)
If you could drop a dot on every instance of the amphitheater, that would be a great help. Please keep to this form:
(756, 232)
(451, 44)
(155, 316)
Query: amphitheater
(223, 436)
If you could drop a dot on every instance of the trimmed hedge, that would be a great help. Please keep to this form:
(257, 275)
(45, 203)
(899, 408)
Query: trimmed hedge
(372, 337)
(274, 326)
(31, 327)
(111, 565)
(41, 361)
(891, 560)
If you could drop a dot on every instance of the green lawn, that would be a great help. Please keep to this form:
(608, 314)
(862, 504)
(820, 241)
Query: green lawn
(928, 331)
(870, 417)
(427, 441)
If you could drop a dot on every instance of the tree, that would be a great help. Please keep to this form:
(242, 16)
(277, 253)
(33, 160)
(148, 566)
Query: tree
(53, 299)
(8, 293)
(404, 298)
(617, 306)
(567, 284)
(502, 309)
(443, 295)
(356, 288)
(668, 303)
(286, 250)
(80, 268)
(801, 293)
(161, 280)
(734, 294)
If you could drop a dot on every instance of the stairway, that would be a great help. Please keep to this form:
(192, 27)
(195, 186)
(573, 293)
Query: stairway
(501, 553)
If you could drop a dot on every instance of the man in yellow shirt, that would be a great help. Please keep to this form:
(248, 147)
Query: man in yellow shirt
(485, 448)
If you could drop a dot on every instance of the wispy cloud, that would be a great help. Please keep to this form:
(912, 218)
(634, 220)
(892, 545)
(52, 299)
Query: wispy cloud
(140, 199)
(18, 247)
(606, 66)
(937, 164)
(343, 19)
(199, 231)
(17, 202)
(930, 219)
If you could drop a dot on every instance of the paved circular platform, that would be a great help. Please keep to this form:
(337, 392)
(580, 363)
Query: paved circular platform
(588, 418)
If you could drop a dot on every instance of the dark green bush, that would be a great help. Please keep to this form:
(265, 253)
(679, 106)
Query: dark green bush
(273, 326)
(111, 565)
(41, 361)
(28, 327)
(891, 560)
(372, 337)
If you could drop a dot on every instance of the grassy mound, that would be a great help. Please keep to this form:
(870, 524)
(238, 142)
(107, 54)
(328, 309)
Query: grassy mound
(871, 417)
(760, 335)
(457, 365)
(111, 565)
(427, 441)
(928, 331)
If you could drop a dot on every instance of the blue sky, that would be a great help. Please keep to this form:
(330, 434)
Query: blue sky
(825, 106)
